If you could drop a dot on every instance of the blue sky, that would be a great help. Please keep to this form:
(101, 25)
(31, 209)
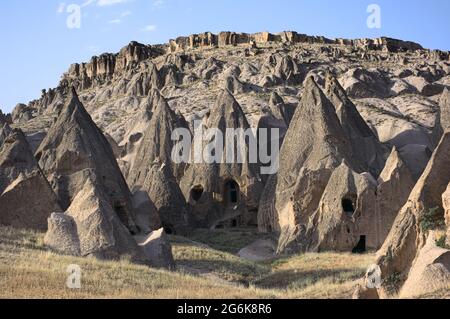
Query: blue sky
(37, 46)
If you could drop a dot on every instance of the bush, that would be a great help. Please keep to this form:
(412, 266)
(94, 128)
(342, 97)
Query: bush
(432, 220)
(442, 242)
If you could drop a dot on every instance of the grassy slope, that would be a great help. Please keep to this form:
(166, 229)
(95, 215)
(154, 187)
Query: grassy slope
(27, 270)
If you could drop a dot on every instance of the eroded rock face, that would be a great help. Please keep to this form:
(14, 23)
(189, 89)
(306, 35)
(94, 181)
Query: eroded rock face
(223, 192)
(367, 148)
(154, 171)
(430, 271)
(307, 160)
(21, 205)
(394, 187)
(75, 150)
(446, 204)
(410, 230)
(91, 228)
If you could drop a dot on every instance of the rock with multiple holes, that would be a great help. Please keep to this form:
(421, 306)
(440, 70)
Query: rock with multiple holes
(223, 188)
(314, 146)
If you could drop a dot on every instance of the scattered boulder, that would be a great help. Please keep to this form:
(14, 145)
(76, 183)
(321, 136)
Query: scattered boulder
(157, 249)
(260, 250)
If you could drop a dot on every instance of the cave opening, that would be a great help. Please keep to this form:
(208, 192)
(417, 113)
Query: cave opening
(348, 205)
(231, 192)
(360, 248)
(197, 193)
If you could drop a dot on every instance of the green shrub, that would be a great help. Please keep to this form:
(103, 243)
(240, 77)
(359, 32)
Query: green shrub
(432, 220)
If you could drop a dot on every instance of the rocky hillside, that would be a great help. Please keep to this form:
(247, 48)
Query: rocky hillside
(363, 150)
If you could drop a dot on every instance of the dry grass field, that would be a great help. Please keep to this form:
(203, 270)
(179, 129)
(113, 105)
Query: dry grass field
(207, 268)
(28, 270)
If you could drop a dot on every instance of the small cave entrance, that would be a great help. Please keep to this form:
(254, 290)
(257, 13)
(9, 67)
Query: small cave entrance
(361, 247)
(231, 193)
(197, 193)
(349, 204)
(169, 230)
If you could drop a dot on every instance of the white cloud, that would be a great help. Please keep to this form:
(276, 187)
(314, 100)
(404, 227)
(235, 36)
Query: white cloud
(115, 21)
(149, 28)
(125, 14)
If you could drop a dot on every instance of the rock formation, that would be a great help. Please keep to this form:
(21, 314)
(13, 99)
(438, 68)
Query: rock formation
(219, 191)
(307, 160)
(423, 212)
(367, 148)
(76, 150)
(153, 169)
(21, 205)
(157, 249)
(92, 228)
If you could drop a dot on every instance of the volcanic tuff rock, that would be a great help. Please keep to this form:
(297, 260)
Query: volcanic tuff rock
(153, 164)
(223, 192)
(75, 150)
(20, 177)
(423, 211)
(367, 148)
(315, 144)
(158, 249)
(91, 227)
(394, 85)
(430, 271)
(446, 203)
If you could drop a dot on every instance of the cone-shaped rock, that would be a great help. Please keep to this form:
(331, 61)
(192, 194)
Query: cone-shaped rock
(157, 143)
(154, 170)
(422, 212)
(446, 203)
(279, 109)
(92, 228)
(315, 144)
(166, 195)
(226, 191)
(344, 209)
(394, 187)
(26, 198)
(367, 149)
(73, 151)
